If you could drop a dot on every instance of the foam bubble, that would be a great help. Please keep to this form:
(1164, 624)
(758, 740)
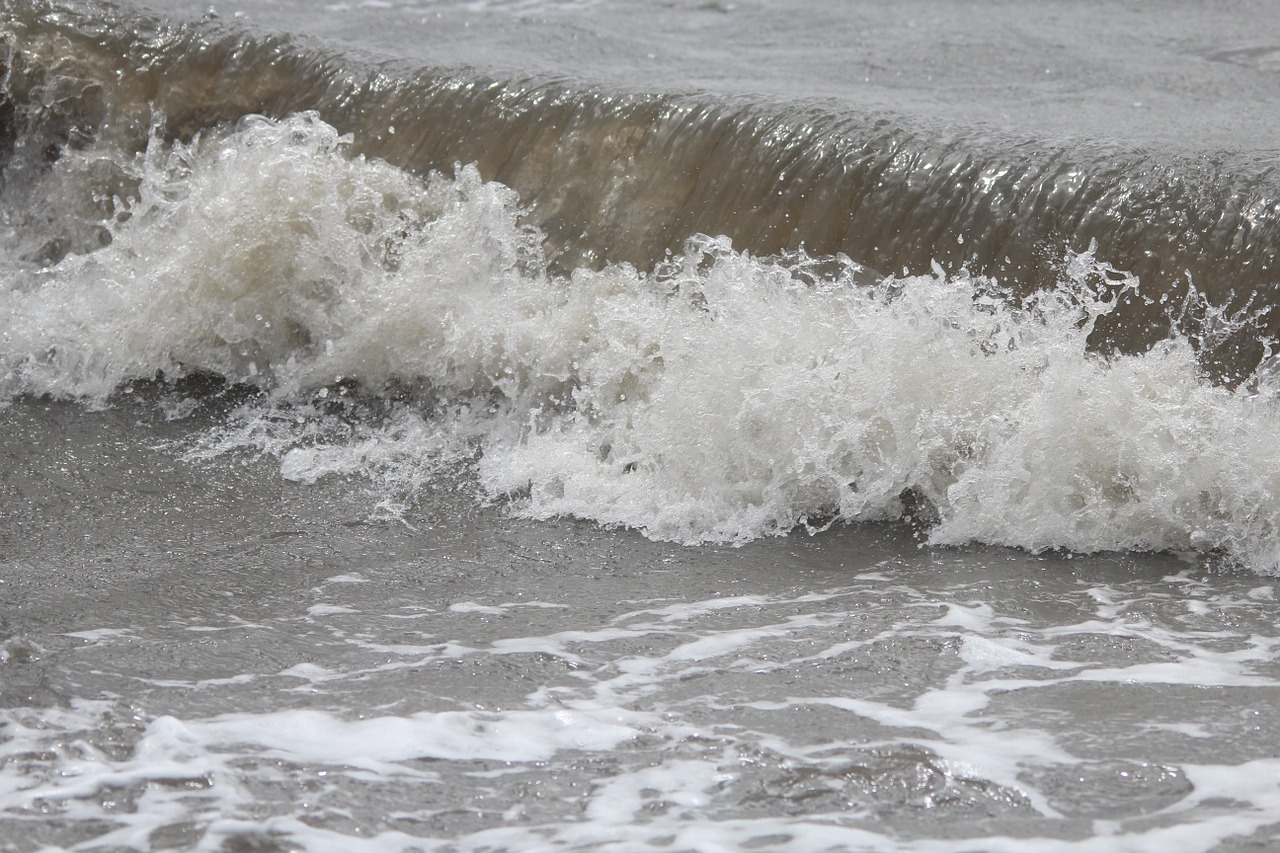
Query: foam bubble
(718, 398)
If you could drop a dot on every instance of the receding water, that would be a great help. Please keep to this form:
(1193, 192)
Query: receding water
(203, 656)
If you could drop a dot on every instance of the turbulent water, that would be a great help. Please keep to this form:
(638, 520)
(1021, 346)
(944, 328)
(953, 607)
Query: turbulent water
(558, 425)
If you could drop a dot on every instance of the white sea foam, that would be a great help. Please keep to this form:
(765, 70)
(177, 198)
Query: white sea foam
(527, 735)
(938, 736)
(719, 398)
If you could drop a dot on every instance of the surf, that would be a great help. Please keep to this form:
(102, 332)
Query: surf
(872, 326)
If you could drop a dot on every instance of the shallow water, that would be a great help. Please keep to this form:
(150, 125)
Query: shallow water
(201, 656)
(518, 426)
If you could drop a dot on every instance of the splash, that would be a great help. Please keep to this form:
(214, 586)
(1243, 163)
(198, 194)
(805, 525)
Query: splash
(406, 329)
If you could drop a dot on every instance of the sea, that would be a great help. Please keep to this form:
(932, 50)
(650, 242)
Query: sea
(639, 425)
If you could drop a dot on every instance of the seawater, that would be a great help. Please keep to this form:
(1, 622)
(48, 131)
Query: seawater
(486, 443)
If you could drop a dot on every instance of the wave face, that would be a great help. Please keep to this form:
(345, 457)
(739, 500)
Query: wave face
(431, 274)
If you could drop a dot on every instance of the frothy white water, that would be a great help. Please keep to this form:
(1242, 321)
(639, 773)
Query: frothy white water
(912, 713)
(720, 397)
